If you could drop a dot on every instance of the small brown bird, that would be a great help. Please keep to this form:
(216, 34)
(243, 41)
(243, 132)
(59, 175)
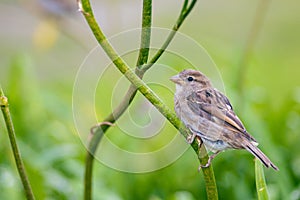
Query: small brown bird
(208, 114)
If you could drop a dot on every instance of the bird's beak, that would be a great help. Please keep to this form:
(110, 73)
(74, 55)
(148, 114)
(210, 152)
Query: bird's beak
(176, 79)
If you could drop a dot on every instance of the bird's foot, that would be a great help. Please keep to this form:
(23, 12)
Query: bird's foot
(190, 139)
(200, 142)
(210, 158)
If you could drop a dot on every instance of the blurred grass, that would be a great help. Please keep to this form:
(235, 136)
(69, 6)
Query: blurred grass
(39, 87)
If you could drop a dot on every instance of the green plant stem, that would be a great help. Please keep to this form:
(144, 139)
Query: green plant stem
(185, 11)
(147, 92)
(142, 59)
(208, 174)
(12, 138)
(261, 186)
(145, 34)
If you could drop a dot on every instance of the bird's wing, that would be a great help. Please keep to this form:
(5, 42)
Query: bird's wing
(215, 106)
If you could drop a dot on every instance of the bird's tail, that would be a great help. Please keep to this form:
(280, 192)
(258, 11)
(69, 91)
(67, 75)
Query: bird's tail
(260, 155)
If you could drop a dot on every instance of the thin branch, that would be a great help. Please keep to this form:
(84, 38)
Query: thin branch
(208, 174)
(185, 11)
(142, 59)
(146, 91)
(12, 138)
(146, 33)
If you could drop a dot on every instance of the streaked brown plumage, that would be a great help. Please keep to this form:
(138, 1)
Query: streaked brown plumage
(209, 115)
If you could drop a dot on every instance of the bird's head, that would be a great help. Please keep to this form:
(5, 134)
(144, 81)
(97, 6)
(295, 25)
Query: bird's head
(190, 79)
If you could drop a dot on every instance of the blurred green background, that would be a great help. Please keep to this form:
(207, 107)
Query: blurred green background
(43, 45)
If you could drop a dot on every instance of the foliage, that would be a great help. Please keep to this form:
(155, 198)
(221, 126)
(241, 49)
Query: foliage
(54, 156)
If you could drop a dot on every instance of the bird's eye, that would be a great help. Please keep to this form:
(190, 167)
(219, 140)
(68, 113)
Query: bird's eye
(190, 78)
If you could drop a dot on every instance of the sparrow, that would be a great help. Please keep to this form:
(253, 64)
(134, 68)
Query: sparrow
(208, 114)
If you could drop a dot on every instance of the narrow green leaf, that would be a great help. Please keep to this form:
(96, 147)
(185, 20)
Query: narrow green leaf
(261, 186)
